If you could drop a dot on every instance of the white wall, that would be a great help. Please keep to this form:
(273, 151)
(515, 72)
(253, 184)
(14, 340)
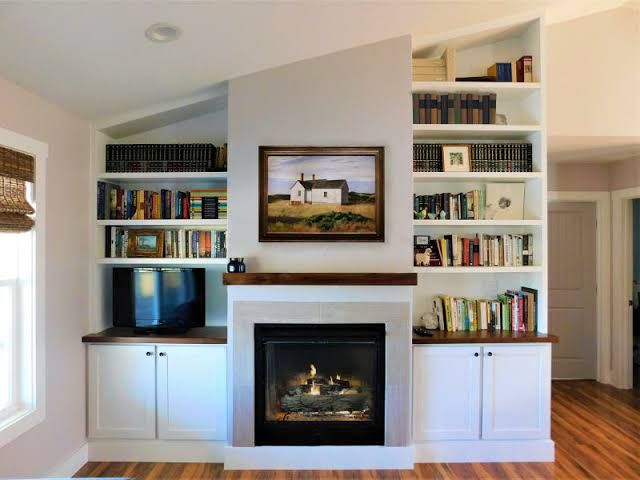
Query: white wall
(62, 433)
(360, 96)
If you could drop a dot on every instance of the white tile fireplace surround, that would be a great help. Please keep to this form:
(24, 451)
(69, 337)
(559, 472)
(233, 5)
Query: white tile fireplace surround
(313, 304)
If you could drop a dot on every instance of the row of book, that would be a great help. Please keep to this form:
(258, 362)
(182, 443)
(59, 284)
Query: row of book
(519, 71)
(508, 250)
(455, 108)
(485, 157)
(170, 157)
(116, 203)
(515, 310)
(450, 206)
(176, 243)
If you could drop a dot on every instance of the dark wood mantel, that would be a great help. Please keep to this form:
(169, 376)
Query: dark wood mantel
(343, 279)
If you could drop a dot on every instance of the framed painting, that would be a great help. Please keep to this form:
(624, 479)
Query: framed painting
(456, 158)
(146, 243)
(321, 194)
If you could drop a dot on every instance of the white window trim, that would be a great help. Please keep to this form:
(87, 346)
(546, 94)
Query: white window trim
(28, 416)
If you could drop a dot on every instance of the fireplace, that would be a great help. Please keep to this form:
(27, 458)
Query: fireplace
(319, 384)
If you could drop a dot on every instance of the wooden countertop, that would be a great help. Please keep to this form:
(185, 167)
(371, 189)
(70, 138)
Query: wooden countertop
(200, 335)
(373, 279)
(484, 336)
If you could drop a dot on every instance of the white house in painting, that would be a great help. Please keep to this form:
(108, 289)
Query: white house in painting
(319, 191)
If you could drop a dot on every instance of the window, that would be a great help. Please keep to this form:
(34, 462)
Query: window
(299, 193)
(325, 194)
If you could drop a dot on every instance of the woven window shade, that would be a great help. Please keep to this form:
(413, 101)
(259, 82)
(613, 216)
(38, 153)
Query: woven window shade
(16, 168)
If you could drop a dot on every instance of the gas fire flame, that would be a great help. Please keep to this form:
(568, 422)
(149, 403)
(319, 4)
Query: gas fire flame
(337, 377)
(312, 370)
(315, 389)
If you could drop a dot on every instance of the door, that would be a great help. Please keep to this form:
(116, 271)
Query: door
(516, 392)
(122, 397)
(192, 392)
(446, 392)
(572, 288)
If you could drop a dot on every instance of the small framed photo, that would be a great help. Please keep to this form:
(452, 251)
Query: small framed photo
(421, 240)
(456, 158)
(146, 244)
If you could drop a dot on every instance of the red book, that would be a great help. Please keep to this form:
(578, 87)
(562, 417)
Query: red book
(465, 252)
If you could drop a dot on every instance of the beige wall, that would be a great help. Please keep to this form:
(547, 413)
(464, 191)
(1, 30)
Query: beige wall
(578, 177)
(42, 448)
(625, 174)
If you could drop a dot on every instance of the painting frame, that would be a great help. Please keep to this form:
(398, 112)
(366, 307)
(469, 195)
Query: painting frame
(265, 152)
(465, 151)
(133, 247)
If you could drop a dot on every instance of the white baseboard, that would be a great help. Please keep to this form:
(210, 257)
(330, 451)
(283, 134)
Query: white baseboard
(465, 451)
(71, 465)
(156, 451)
(319, 458)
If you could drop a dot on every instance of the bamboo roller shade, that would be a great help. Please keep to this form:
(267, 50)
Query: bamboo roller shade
(16, 168)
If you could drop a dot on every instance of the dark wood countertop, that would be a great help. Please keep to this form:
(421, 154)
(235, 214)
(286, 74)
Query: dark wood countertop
(201, 335)
(484, 336)
(373, 279)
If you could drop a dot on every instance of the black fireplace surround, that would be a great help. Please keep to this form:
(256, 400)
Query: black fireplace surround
(319, 384)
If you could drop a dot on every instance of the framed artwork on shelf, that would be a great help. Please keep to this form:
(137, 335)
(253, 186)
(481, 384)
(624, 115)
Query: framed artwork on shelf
(321, 194)
(145, 244)
(504, 201)
(456, 158)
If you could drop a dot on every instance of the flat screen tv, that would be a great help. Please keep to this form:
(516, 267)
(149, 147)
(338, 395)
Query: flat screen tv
(161, 300)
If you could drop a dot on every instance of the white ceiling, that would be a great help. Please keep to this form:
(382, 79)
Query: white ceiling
(592, 149)
(92, 58)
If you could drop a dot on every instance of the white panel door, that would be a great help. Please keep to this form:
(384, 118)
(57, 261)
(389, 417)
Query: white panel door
(446, 392)
(122, 397)
(572, 288)
(192, 392)
(516, 392)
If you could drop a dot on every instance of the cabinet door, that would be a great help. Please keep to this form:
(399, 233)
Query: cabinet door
(516, 400)
(122, 399)
(446, 392)
(192, 392)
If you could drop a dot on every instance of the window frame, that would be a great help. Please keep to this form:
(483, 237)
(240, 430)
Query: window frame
(30, 336)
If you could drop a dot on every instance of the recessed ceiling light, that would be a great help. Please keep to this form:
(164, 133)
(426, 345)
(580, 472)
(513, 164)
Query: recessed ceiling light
(162, 32)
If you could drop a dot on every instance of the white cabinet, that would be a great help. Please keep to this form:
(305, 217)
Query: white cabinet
(516, 392)
(503, 393)
(192, 392)
(446, 382)
(186, 382)
(122, 391)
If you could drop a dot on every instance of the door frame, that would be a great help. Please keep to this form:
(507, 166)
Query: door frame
(604, 361)
(622, 285)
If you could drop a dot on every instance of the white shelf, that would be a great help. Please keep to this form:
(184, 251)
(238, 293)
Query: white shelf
(161, 177)
(472, 131)
(163, 223)
(504, 90)
(477, 223)
(442, 270)
(161, 261)
(517, 177)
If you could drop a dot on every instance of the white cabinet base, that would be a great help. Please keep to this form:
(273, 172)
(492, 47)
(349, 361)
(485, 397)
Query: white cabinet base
(465, 451)
(189, 451)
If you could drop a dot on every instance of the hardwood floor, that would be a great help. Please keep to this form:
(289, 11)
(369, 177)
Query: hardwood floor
(596, 429)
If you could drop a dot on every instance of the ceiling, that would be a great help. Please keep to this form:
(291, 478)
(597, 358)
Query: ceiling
(592, 149)
(92, 58)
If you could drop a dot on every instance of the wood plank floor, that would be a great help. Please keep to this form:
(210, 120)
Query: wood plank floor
(596, 429)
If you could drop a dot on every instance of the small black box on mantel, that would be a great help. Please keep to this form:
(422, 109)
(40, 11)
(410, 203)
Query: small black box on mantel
(209, 208)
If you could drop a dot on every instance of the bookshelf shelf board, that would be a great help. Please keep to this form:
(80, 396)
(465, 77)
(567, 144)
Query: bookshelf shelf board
(472, 131)
(162, 177)
(477, 223)
(161, 261)
(445, 270)
(163, 223)
(504, 90)
(475, 176)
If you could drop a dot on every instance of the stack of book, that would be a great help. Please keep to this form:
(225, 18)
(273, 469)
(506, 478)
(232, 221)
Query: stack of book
(455, 108)
(437, 69)
(116, 203)
(485, 157)
(177, 243)
(508, 250)
(518, 71)
(515, 310)
(188, 157)
(450, 206)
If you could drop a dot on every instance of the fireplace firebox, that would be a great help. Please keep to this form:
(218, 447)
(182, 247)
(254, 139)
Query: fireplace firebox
(319, 384)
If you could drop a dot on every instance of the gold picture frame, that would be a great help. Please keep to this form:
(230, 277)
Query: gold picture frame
(145, 244)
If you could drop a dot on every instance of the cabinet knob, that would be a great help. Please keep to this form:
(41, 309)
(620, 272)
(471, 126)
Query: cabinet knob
(149, 354)
(476, 354)
(163, 354)
(490, 354)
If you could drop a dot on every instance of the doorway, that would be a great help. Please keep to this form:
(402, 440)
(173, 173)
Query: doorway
(636, 292)
(573, 289)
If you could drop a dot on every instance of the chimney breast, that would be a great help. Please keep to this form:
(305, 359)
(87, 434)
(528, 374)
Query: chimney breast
(313, 177)
(302, 177)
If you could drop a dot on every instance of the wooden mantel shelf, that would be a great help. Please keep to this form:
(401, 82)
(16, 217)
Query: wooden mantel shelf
(342, 279)
(200, 335)
(484, 336)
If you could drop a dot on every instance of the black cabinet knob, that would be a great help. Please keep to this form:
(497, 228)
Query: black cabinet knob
(476, 354)
(490, 354)
(149, 354)
(163, 354)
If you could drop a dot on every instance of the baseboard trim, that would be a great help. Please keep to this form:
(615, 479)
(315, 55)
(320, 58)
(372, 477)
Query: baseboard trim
(319, 458)
(156, 451)
(464, 451)
(71, 465)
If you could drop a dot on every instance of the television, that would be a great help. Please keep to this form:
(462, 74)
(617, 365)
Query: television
(159, 300)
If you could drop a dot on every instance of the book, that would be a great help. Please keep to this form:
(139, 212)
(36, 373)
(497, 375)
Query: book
(524, 69)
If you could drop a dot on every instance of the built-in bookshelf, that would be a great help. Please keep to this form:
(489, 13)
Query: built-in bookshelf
(523, 106)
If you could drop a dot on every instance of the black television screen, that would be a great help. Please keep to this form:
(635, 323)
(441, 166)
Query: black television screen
(159, 299)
